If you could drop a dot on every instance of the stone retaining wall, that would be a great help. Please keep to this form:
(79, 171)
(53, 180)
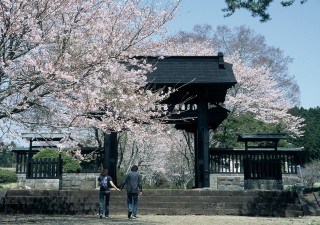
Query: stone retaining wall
(235, 182)
(70, 181)
(155, 202)
(88, 181)
(80, 181)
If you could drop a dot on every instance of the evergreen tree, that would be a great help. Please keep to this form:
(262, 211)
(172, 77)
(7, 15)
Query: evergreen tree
(311, 139)
(227, 134)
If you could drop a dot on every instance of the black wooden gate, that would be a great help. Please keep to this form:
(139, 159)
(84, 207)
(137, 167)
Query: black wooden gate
(44, 168)
(264, 169)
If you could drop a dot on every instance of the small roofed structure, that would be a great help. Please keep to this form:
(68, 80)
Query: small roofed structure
(42, 137)
(29, 166)
(273, 138)
(263, 170)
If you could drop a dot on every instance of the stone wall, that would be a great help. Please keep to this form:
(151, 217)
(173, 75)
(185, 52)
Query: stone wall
(80, 181)
(155, 202)
(88, 181)
(235, 182)
(226, 182)
(70, 181)
(40, 184)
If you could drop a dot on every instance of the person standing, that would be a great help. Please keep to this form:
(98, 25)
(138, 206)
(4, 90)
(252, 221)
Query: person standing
(105, 183)
(133, 183)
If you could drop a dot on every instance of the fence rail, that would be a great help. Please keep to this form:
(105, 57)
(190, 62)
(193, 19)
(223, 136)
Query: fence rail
(93, 166)
(232, 161)
(45, 168)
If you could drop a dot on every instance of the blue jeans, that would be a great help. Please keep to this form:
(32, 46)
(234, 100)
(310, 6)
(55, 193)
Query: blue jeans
(104, 197)
(134, 197)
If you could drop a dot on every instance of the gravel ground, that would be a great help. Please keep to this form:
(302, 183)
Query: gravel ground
(152, 219)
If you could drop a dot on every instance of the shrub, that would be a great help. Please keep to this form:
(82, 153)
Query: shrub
(295, 187)
(311, 173)
(7, 176)
(46, 153)
(70, 164)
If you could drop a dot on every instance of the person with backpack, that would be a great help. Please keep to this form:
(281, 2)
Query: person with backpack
(133, 181)
(105, 183)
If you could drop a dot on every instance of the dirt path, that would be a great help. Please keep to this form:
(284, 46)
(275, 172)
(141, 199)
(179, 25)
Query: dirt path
(153, 220)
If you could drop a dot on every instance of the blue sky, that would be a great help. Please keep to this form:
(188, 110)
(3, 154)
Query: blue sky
(294, 29)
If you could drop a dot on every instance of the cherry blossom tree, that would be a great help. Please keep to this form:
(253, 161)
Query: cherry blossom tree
(67, 63)
(160, 151)
(180, 159)
(146, 146)
(256, 93)
(253, 50)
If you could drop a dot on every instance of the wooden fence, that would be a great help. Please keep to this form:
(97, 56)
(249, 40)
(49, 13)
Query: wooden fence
(21, 162)
(266, 161)
(93, 166)
(44, 168)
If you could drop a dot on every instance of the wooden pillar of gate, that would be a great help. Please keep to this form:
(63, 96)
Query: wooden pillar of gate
(197, 179)
(202, 145)
(110, 156)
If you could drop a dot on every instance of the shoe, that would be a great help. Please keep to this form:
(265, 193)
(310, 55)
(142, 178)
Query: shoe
(134, 217)
(107, 217)
(100, 216)
(129, 215)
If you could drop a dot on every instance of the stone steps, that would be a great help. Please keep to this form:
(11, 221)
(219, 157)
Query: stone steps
(310, 203)
(163, 202)
(197, 211)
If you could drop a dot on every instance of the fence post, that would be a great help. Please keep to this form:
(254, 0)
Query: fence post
(59, 171)
(30, 168)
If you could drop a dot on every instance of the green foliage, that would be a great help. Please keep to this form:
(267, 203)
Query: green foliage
(6, 158)
(257, 8)
(71, 167)
(7, 176)
(294, 187)
(227, 133)
(70, 164)
(46, 153)
(311, 139)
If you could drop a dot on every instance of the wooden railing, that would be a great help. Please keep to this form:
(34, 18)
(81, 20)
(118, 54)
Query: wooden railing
(44, 168)
(21, 160)
(232, 161)
(93, 166)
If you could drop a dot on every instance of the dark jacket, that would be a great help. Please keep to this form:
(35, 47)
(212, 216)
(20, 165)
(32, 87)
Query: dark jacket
(133, 182)
(104, 183)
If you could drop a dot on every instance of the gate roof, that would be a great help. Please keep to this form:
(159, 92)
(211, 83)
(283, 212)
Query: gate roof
(175, 70)
(261, 137)
(196, 76)
(43, 136)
